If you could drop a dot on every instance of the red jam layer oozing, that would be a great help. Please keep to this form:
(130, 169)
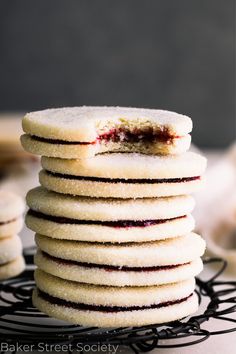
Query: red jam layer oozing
(116, 224)
(111, 267)
(123, 180)
(102, 308)
(147, 135)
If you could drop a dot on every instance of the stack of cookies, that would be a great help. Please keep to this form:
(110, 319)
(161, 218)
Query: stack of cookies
(113, 215)
(11, 222)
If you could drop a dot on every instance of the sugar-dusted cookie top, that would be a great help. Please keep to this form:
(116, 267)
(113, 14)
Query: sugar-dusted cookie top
(86, 123)
(129, 166)
(50, 203)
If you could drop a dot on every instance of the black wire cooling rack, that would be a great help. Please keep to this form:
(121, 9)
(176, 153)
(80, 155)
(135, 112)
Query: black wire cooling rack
(21, 323)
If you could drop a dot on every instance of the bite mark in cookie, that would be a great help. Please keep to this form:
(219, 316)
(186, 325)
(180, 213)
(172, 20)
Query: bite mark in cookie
(83, 132)
(119, 135)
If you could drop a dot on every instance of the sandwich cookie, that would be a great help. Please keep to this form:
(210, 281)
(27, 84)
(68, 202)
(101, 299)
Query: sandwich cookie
(11, 151)
(157, 253)
(12, 268)
(90, 305)
(124, 175)
(10, 249)
(11, 210)
(116, 275)
(82, 132)
(108, 220)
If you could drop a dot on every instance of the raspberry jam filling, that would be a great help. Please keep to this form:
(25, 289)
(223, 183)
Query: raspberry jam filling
(61, 142)
(145, 135)
(121, 135)
(116, 224)
(7, 222)
(123, 180)
(110, 268)
(81, 306)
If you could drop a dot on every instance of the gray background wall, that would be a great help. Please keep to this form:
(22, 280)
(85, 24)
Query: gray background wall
(176, 55)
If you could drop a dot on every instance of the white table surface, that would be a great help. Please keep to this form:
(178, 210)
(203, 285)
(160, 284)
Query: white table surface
(221, 344)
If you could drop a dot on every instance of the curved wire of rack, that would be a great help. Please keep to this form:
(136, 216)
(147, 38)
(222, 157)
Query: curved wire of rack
(22, 323)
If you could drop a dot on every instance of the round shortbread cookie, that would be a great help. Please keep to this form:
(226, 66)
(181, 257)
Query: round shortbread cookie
(12, 268)
(84, 187)
(11, 227)
(129, 166)
(51, 203)
(124, 175)
(112, 296)
(156, 253)
(11, 206)
(10, 248)
(101, 233)
(84, 123)
(141, 317)
(116, 276)
(82, 132)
